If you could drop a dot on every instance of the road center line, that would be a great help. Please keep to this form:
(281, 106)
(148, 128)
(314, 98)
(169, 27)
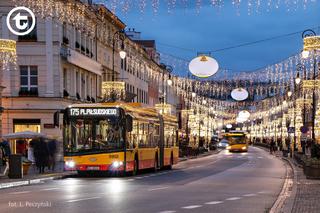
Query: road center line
(158, 188)
(192, 207)
(23, 192)
(234, 198)
(249, 195)
(167, 212)
(49, 189)
(89, 198)
(214, 202)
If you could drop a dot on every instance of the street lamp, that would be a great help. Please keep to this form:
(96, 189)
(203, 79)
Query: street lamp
(298, 79)
(119, 35)
(311, 42)
(301, 68)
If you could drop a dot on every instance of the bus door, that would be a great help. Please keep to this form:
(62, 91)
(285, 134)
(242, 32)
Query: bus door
(161, 142)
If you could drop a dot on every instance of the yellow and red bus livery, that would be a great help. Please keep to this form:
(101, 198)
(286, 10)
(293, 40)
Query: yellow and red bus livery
(122, 137)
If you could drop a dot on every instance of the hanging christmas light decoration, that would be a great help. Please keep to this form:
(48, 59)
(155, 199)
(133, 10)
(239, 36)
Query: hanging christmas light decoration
(239, 94)
(7, 52)
(203, 66)
(253, 6)
(244, 114)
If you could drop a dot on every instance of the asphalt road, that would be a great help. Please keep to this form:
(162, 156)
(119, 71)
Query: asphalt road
(225, 182)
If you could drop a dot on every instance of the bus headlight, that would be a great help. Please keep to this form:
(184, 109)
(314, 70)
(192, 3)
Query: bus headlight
(70, 164)
(117, 164)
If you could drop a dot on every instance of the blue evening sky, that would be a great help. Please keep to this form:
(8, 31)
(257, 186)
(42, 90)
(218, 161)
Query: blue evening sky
(211, 28)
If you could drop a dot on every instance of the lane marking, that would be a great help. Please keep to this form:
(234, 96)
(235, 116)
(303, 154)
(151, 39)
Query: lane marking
(158, 188)
(168, 211)
(249, 195)
(192, 207)
(49, 189)
(263, 192)
(214, 202)
(132, 179)
(138, 177)
(234, 198)
(23, 192)
(88, 198)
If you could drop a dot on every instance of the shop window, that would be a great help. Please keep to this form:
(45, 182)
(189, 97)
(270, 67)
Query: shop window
(20, 125)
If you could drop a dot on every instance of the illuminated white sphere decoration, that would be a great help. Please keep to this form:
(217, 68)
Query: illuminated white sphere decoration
(229, 126)
(305, 54)
(241, 120)
(122, 54)
(203, 66)
(244, 114)
(239, 94)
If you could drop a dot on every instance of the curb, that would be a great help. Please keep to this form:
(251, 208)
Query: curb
(285, 200)
(288, 204)
(285, 196)
(32, 181)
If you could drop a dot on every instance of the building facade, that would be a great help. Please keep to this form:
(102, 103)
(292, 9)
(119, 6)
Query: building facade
(59, 64)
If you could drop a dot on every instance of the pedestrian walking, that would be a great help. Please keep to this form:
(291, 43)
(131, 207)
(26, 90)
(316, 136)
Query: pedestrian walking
(52, 149)
(5, 153)
(41, 154)
(272, 146)
(31, 153)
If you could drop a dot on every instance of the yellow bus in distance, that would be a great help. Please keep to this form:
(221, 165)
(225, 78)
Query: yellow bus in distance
(237, 141)
(118, 138)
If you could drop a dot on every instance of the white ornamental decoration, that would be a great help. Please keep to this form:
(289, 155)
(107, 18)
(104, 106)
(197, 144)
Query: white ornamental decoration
(239, 94)
(203, 66)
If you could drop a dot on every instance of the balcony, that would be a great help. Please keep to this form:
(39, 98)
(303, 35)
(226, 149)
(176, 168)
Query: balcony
(80, 60)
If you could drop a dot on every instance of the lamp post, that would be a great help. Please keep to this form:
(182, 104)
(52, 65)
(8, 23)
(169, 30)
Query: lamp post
(169, 81)
(311, 43)
(119, 35)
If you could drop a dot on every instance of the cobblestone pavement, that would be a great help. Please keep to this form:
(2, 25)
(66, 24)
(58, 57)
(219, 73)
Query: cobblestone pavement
(307, 198)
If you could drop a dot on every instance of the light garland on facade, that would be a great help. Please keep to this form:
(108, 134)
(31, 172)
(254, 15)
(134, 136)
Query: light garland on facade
(8, 53)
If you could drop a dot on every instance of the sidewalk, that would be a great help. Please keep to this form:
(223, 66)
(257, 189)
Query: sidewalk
(305, 193)
(306, 198)
(34, 177)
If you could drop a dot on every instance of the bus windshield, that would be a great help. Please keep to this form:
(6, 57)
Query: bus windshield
(94, 135)
(233, 139)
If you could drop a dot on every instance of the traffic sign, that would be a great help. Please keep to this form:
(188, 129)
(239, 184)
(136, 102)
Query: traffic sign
(304, 129)
(291, 129)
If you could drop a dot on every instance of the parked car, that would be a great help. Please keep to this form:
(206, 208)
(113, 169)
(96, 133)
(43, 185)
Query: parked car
(213, 143)
(223, 144)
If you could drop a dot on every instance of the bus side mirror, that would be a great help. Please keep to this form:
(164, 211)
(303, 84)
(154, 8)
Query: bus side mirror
(56, 118)
(129, 123)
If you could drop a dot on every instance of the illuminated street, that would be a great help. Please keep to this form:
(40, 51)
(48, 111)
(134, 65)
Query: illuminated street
(160, 106)
(226, 182)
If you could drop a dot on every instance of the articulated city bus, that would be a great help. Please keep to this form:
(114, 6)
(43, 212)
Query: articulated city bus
(118, 138)
(237, 141)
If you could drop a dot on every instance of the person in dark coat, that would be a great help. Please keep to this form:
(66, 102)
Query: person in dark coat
(6, 152)
(41, 154)
(52, 149)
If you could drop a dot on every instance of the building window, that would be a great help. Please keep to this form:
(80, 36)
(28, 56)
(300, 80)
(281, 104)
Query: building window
(20, 125)
(28, 81)
(32, 36)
